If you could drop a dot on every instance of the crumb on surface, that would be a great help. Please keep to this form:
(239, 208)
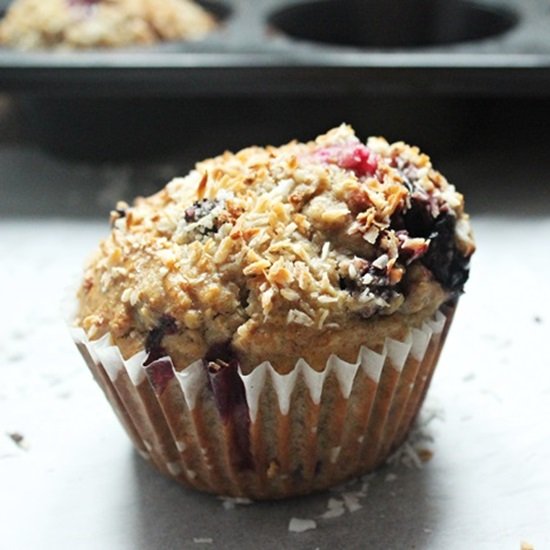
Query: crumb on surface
(230, 503)
(299, 525)
(335, 508)
(424, 455)
(19, 440)
(351, 500)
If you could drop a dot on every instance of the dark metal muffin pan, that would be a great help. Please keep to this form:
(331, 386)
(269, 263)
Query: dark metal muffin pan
(392, 25)
(491, 47)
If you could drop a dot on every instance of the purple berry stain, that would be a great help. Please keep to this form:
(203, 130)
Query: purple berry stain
(159, 373)
(442, 257)
(230, 398)
(369, 279)
(199, 209)
(153, 344)
(158, 365)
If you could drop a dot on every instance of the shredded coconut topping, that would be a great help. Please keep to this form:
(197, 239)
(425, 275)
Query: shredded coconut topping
(306, 235)
(77, 24)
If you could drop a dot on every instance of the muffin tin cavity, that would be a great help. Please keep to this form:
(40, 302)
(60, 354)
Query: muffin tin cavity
(386, 25)
(220, 10)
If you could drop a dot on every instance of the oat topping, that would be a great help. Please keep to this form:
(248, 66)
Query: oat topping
(79, 24)
(309, 236)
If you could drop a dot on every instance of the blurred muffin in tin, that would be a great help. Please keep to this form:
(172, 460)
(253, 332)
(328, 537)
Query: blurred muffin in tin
(81, 24)
(269, 325)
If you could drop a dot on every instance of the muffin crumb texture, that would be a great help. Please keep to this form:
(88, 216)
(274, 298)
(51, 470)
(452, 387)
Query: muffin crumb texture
(279, 253)
(81, 24)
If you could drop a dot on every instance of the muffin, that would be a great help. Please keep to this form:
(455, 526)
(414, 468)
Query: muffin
(269, 324)
(78, 24)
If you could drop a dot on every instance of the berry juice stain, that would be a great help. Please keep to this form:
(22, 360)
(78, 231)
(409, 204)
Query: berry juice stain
(153, 344)
(158, 366)
(229, 394)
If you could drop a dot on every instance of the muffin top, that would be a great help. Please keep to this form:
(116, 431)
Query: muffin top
(76, 24)
(279, 253)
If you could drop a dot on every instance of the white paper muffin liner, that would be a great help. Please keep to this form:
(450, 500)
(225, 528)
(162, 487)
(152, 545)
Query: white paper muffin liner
(304, 431)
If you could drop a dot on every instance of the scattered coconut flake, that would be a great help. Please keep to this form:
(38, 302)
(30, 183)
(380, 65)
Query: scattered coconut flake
(363, 492)
(409, 452)
(230, 503)
(351, 500)
(19, 440)
(299, 525)
(349, 494)
(335, 509)
(415, 451)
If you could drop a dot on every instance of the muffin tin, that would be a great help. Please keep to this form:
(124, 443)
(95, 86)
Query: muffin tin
(490, 47)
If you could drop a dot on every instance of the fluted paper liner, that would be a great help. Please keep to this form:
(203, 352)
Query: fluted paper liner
(307, 430)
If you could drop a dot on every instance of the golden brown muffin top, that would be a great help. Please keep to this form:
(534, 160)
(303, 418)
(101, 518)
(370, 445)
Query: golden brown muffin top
(78, 24)
(269, 249)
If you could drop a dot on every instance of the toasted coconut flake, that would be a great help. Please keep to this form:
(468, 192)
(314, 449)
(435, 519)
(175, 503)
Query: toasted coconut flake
(381, 262)
(290, 295)
(285, 234)
(201, 188)
(299, 525)
(298, 317)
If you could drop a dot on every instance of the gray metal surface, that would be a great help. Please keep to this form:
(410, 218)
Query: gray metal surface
(249, 56)
(76, 483)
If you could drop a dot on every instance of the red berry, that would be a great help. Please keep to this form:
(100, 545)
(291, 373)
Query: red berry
(359, 159)
(355, 156)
